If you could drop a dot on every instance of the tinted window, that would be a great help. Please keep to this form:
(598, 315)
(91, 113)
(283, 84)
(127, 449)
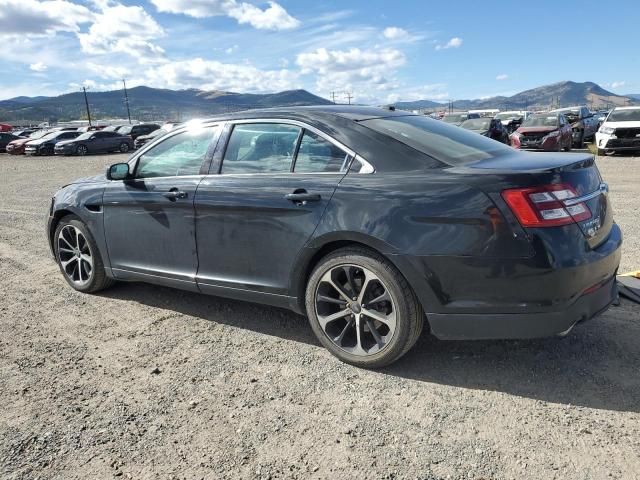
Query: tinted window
(318, 155)
(443, 142)
(260, 148)
(181, 154)
(631, 115)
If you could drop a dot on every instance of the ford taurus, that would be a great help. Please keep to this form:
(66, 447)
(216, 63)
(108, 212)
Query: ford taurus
(374, 223)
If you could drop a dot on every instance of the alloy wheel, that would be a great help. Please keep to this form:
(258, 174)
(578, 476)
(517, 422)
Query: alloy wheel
(74, 255)
(82, 150)
(355, 310)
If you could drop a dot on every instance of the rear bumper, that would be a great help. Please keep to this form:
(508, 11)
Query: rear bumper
(451, 326)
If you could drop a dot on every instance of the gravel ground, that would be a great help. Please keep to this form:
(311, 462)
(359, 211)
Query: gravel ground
(145, 382)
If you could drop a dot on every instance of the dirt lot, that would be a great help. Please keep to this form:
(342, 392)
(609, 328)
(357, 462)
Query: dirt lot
(146, 382)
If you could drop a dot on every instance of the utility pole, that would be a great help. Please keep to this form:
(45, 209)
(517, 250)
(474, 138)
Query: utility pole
(126, 100)
(349, 97)
(86, 102)
(333, 97)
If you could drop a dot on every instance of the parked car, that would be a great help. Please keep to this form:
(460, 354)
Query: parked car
(543, 131)
(583, 124)
(95, 142)
(46, 144)
(16, 147)
(134, 131)
(489, 127)
(600, 117)
(23, 132)
(620, 131)
(354, 216)
(6, 138)
(113, 128)
(457, 118)
(92, 128)
(513, 119)
(144, 139)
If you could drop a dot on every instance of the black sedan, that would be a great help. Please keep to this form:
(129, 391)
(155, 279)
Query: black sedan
(144, 139)
(489, 127)
(46, 144)
(95, 142)
(374, 223)
(6, 138)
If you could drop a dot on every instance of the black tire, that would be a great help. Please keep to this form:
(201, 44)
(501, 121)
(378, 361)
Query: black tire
(409, 315)
(567, 147)
(124, 147)
(98, 279)
(82, 150)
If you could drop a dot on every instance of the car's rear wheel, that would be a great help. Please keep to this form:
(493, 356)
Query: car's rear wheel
(78, 256)
(362, 309)
(82, 150)
(124, 147)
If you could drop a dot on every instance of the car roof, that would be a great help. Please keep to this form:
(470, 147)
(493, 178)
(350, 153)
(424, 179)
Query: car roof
(351, 112)
(627, 108)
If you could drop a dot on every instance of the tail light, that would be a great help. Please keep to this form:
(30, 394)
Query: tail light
(545, 206)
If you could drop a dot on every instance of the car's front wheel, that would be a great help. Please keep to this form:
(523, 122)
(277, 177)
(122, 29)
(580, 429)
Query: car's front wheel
(362, 309)
(82, 150)
(78, 256)
(124, 147)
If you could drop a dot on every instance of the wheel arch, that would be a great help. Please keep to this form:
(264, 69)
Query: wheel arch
(323, 246)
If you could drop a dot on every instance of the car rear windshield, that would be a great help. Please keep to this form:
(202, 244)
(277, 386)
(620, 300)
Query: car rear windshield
(624, 115)
(449, 144)
(455, 118)
(541, 121)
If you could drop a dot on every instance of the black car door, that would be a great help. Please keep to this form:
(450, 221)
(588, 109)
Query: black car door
(149, 218)
(254, 216)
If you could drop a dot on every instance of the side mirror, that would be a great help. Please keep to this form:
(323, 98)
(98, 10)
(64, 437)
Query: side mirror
(118, 171)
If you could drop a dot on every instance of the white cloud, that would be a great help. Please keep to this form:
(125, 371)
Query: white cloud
(455, 42)
(108, 71)
(214, 75)
(38, 67)
(34, 18)
(274, 17)
(366, 73)
(502, 76)
(231, 49)
(124, 29)
(618, 84)
(395, 33)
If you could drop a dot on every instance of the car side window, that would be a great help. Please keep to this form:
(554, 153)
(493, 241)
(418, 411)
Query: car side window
(260, 148)
(179, 155)
(319, 155)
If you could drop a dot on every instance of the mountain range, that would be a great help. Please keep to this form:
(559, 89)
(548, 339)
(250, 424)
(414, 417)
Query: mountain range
(561, 94)
(148, 103)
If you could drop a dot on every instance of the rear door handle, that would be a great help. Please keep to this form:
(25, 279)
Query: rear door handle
(175, 194)
(303, 197)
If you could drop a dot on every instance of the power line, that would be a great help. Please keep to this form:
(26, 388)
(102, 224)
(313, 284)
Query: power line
(349, 96)
(86, 102)
(126, 100)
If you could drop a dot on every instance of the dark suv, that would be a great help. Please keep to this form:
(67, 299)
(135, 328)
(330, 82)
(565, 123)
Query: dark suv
(95, 142)
(135, 131)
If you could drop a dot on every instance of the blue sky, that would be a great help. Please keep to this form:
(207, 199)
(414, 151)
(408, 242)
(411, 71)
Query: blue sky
(380, 51)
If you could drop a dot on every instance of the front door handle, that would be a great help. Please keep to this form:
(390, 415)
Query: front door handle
(175, 194)
(301, 197)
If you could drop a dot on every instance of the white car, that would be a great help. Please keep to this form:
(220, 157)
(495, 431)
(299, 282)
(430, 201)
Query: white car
(620, 131)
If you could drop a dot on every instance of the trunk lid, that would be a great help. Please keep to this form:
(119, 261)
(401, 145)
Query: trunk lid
(577, 171)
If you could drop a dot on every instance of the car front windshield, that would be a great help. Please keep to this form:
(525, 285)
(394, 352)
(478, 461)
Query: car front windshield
(38, 134)
(85, 136)
(541, 121)
(449, 144)
(124, 130)
(477, 124)
(507, 116)
(624, 115)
